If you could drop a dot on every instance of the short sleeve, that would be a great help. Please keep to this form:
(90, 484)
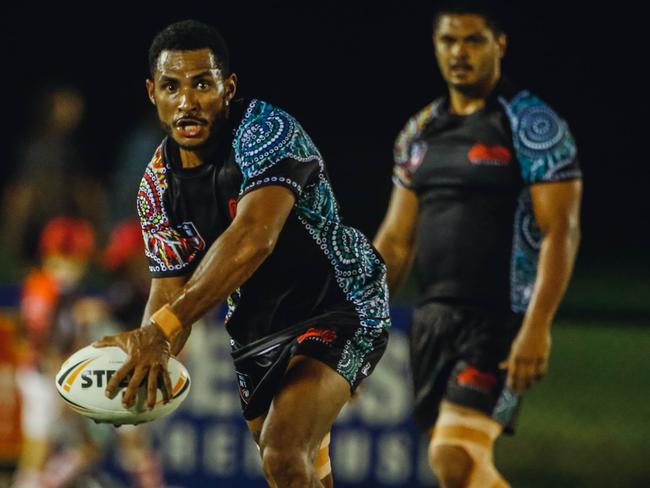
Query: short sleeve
(544, 145)
(409, 150)
(272, 148)
(171, 250)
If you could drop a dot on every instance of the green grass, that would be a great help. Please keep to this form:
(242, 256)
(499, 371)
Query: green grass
(588, 423)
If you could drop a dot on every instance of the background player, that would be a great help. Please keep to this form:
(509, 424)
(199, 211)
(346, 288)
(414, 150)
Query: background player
(236, 203)
(486, 202)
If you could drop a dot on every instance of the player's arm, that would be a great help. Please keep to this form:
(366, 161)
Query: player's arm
(557, 211)
(164, 290)
(229, 262)
(395, 239)
(236, 254)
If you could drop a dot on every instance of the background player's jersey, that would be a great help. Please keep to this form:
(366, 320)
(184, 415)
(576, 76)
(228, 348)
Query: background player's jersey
(477, 236)
(319, 266)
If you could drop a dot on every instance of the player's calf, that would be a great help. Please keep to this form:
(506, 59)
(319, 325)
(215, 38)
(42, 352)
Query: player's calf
(451, 464)
(461, 449)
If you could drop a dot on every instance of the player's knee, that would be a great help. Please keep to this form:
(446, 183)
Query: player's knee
(286, 466)
(451, 464)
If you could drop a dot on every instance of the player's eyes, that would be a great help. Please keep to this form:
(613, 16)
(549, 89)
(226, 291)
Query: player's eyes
(203, 85)
(169, 86)
(476, 39)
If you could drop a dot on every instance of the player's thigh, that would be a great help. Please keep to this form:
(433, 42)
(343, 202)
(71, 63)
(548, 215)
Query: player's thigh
(305, 407)
(255, 427)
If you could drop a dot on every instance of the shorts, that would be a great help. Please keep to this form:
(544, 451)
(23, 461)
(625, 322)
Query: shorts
(348, 348)
(455, 354)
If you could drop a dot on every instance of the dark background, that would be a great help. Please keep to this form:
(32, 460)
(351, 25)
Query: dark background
(353, 75)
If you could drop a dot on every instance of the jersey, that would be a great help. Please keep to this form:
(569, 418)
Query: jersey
(319, 265)
(478, 240)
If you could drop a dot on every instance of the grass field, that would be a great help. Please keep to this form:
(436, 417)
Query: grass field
(588, 423)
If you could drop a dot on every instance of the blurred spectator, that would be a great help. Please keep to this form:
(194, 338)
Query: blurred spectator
(127, 296)
(51, 178)
(133, 156)
(130, 280)
(55, 322)
(61, 447)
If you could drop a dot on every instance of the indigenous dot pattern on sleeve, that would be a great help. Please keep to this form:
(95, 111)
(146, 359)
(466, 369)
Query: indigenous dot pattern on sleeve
(168, 248)
(546, 152)
(267, 136)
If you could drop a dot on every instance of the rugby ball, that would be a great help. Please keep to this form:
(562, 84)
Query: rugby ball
(82, 379)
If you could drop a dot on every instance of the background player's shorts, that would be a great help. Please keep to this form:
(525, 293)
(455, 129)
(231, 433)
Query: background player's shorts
(455, 354)
(340, 342)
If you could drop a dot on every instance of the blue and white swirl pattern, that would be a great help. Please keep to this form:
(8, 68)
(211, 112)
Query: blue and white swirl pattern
(268, 135)
(540, 129)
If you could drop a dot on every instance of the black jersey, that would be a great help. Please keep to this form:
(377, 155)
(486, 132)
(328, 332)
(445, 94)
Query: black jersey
(477, 236)
(319, 266)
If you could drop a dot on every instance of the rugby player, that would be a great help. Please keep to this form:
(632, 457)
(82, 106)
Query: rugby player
(486, 205)
(236, 205)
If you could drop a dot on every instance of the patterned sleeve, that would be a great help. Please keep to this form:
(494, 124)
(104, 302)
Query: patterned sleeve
(544, 145)
(409, 152)
(172, 250)
(272, 148)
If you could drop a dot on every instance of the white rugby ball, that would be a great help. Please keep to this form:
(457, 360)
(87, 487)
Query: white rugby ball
(82, 379)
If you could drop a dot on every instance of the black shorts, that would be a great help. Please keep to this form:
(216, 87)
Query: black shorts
(455, 354)
(348, 348)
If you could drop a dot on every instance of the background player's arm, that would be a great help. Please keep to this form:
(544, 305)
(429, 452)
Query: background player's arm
(395, 239)
(557, 211)
(164, 290)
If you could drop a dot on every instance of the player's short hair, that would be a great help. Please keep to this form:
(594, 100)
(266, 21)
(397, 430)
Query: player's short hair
(485, 8)
(188, 35)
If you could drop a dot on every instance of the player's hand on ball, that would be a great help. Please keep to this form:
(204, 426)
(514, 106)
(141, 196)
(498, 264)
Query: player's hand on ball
(148, 352)
(528, 359)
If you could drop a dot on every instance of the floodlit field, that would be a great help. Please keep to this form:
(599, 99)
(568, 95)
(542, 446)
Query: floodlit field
(588, 423)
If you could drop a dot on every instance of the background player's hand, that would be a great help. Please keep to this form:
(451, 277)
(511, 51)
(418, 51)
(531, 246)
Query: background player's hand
(147, 351)
(528, 359)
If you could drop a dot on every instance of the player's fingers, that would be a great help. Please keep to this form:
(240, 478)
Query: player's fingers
(167, 384)
(152, 386)
(512, 374)
(114, 383)
(525, 375)
(541, 368)
(129, 395)
(106, 341)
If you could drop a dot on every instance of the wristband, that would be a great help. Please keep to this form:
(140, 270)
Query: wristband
(167, 321)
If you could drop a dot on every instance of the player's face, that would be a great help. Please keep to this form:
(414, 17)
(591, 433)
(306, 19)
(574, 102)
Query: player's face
(468, 52)
(191, 95)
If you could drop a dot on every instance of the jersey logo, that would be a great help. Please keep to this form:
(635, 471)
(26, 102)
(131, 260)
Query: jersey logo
(245, 386)
(232, 208)
(325, 336)
(418, 151)
(472, 378)
(489, 155)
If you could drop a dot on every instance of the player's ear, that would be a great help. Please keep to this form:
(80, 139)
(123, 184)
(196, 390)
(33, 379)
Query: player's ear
(230, 85)
(502, 42)
(150, 90)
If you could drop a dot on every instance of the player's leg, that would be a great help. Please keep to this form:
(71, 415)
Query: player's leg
(461, 448)
(322, 464)
(300, 417)
(455, 352)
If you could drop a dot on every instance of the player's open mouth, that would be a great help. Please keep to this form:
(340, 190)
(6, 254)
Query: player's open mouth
(189, 127)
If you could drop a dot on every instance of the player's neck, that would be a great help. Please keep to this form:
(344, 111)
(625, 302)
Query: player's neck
(190, 159)
(463, 102)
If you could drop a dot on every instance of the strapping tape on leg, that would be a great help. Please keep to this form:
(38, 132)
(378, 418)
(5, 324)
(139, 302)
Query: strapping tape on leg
(322, 463)
(475, 434)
